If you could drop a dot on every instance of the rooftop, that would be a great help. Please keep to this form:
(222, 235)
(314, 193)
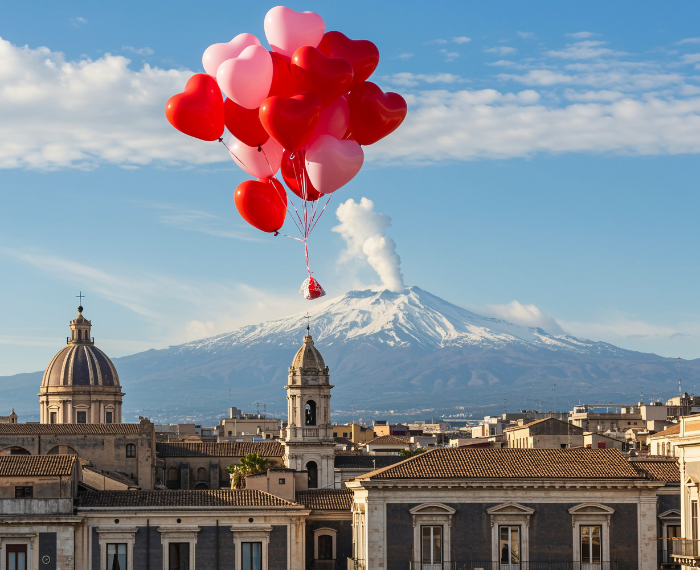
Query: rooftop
(194, 498)
(36, 465)
(326, 499)
(220, 449)
(509, 463)
(658, 469)
(366, 461)
(389, 439)
(67, 428)
(673, 430)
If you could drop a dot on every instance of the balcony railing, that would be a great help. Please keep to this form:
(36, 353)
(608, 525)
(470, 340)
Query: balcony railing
(685, 548)
(530, 565)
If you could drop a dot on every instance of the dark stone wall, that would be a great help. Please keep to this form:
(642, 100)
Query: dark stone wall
(47, 547)
(277, 551)
(148, 551)
(96, 550)
(550, 533)
(666, 503)
(343, 547)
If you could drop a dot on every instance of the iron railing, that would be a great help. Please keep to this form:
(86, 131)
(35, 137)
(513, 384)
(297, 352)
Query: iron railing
(530, 565)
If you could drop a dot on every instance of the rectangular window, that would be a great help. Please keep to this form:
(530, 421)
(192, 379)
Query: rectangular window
(431, 538)
(108, 417)
(509, 545)
(694, 519)
(81, 417)
(16, 557)
(24, 492)
(179, 556)
(116, 557)
(590, 544)
(53, 417)
(251, 555)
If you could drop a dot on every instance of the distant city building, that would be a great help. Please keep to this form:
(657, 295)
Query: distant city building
(354, 432)
(256, 425)
(11, 419)
(549, 433)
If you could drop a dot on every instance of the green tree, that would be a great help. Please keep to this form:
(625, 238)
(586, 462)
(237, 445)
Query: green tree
(409, 453)
(251, 464)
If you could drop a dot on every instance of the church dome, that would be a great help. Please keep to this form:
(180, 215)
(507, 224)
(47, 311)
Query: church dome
(308, 356)
(80, 362)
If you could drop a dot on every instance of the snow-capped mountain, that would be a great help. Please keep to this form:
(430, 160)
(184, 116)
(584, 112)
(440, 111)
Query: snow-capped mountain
(400, 351)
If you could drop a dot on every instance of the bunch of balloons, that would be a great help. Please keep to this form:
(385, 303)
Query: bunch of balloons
(304, 107)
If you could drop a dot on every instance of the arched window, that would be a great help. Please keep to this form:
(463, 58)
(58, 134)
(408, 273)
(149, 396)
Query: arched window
(312, 468)
(131, 450)
(201, 474)
(80, 335)
(172, 474)
(310, 413)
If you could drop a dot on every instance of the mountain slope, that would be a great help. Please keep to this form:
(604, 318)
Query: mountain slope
(397, 351)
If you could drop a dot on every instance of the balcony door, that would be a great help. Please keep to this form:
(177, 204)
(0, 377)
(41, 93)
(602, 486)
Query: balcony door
(509, 547)
(431, 546)
(16, 557)
(591, 547)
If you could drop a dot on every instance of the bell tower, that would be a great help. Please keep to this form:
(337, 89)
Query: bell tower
(308, 439)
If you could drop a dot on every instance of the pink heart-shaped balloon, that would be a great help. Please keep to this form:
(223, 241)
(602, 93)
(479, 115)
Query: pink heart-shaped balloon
(217, 54)
(334, 119)
(331, 163)
(287, 30)
(246, 79)
(261, 164)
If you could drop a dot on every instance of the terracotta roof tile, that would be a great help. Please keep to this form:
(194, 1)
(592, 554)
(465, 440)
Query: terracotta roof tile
(220, 449)
(36, 465)
(6, 429)
(673, 430)
(180, 498)
(466, 463)
(390, 439)
(326, 499)
(658, 469)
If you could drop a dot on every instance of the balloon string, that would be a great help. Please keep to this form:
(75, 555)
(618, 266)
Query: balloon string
(291, 237)
(321, 214)
(300, 180)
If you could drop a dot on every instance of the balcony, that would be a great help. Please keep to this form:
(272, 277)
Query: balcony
(490, 565)
(685, 551)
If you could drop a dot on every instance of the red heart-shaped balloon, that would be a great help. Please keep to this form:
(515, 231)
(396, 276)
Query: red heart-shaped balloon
(291, 120)
(262, 203)
(292, 170)
(326, 77)
(363, 55)
(282, 84)
(244, 124)
(199, 110)
(373, 113)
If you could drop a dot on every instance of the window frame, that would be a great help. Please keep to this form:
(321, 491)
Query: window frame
(24, 494)
(128, 449)
(250, 533)
(325, 532)
(591, 514)
(77, 416)
(510, 514)
(117, 534)
(432, 514)
(510, 528)
(109, 417)
(178, 533)
(589, 554)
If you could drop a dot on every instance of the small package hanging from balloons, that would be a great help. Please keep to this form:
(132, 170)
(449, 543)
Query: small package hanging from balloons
(304, 106)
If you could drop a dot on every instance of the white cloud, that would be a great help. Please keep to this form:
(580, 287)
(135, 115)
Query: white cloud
(502, 63)
(138, 51)
(526, 35)
(689, 41)
(363, 231)
(465, 125)
(438, 41)
(78, 21)
(603, 95)
(526, 315)
(539, 77)
(598, 76)
(203, 307)
(56, 113)
(404, 56)
(449, 55)
(196, 221)
(461, 40)
(501, 50)
(581, 35)
(584, 50)
(406, 79)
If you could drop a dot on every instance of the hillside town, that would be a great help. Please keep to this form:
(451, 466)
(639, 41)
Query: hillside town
(602, 487)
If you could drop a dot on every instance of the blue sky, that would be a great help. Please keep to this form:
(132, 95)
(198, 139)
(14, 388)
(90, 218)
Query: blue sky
(547, 172)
